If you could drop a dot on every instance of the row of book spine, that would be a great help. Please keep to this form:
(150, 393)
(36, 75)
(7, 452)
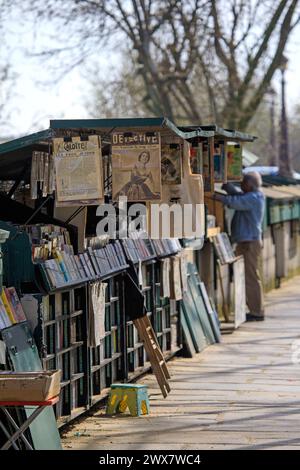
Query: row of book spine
(67, 268)
(140, 249)
(166, 246)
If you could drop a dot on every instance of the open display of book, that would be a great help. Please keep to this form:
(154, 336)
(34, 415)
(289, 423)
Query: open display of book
(67, 268)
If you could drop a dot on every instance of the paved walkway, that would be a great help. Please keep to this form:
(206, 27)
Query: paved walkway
(242, 394)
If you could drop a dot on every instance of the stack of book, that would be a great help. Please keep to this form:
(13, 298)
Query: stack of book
(66, 268)
(11, 310)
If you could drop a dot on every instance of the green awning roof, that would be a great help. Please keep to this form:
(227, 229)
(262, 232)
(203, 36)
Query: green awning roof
(15, 154)
(109, 125)
(220, 132)
(26, 141)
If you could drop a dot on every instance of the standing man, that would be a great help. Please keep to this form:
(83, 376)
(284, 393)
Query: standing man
(246, 232)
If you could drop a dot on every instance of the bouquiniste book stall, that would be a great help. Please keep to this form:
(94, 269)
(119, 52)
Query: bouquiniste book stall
(221, 162)
(72, 299)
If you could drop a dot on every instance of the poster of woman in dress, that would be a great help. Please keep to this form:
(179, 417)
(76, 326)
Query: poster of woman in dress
(136, 166)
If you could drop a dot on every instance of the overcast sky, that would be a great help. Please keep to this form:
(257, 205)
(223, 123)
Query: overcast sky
(33, 104)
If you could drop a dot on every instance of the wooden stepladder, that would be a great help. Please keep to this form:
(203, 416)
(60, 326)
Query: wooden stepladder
(156, 357)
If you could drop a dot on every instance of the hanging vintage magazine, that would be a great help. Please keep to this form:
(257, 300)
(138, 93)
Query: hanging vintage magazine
(189, 197)
(220, 167)
(136, 166)
(78, 168)
(171, 164)
(234, 162)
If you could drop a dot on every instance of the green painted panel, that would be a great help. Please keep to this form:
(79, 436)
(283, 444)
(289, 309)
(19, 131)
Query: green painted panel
(274, 214)
(282, 211)
(193, 322)
(188, 340)
(106, 123)
(200, 305)
(17, 262)
(211, 313)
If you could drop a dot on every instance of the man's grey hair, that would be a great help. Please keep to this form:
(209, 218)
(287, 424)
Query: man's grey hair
(254, 179)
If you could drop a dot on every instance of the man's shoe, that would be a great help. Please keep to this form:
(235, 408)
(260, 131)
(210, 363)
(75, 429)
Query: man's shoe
(250, 317)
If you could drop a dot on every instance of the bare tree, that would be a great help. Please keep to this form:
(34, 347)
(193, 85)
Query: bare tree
(6, 73)
(197, 59)
(294, 138)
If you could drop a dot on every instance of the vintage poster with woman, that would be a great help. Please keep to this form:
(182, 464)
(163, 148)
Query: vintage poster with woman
(136, 166)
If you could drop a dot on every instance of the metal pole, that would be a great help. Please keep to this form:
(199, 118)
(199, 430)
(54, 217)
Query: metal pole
(284, 157)
(273, 153)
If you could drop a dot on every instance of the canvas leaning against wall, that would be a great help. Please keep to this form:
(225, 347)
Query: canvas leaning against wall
(136, 166)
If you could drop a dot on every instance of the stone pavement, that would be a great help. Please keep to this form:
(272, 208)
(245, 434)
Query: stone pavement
(241, 394)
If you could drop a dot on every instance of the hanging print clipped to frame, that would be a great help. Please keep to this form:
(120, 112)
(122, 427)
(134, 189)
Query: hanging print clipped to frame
(78, 169)
(136, 166)
(171, 170)
(220, 166)
(234, 162)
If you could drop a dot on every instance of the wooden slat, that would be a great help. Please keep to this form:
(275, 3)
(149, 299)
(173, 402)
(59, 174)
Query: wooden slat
(154, 352)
